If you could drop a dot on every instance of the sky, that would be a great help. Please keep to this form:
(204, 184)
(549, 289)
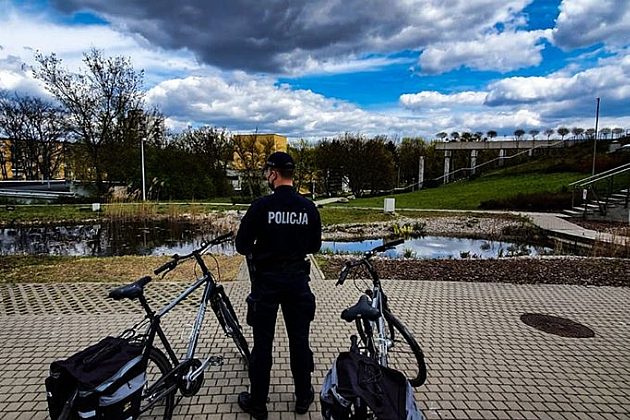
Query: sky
(316, 69)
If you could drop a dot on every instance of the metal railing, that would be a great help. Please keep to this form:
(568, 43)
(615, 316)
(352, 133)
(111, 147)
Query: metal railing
(602, 188)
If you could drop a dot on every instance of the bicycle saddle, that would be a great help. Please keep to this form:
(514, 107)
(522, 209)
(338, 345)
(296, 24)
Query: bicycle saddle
(362, 309)
(130, 291)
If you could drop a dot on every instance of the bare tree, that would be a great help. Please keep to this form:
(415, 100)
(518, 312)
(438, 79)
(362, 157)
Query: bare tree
(251, 152)
(98, 100)
(563, 131)
(36, 128)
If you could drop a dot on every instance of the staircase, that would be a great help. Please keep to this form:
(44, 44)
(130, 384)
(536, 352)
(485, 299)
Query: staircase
(603, 196)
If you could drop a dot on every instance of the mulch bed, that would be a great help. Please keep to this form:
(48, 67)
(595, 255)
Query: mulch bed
(543, 270)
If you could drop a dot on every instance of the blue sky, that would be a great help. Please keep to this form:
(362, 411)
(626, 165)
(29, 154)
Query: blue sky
(319, 68)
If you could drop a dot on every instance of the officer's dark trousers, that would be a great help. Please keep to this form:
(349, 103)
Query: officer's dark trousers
(292, 294)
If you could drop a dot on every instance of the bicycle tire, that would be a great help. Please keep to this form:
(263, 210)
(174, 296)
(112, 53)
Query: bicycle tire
(158, 365)
(399, 357)
(232, 328)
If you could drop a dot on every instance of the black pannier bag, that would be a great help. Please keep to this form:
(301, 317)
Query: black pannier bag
(103, 381)
(355, 382)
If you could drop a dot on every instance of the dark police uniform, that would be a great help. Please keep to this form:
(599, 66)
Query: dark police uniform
(275, 234)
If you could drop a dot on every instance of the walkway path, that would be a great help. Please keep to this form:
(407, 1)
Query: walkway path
(483, 361)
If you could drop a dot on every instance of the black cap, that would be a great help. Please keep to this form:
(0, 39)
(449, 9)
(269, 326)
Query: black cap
(280, 160)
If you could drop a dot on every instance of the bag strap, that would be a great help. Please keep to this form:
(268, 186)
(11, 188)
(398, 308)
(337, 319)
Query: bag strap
(69, 405)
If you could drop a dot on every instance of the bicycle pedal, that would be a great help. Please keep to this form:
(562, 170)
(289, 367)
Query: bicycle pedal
(216, 361)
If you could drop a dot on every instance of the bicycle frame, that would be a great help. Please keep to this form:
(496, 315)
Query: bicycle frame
(383, 343)
(211, 290)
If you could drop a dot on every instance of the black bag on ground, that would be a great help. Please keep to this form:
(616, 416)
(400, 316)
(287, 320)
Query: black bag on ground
(103, 381)
(356, 382)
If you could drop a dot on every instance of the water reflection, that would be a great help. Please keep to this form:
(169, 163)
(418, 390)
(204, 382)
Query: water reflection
(108, 239)
(441, 247)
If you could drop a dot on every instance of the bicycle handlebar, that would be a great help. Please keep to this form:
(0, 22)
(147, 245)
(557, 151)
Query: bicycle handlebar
(348, 266)
(176, 259)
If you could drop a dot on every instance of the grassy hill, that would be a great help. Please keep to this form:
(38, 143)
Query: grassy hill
(483, 191)
(539, 183)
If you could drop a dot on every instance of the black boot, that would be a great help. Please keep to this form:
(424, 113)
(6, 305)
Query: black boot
(258, 412)
(302, 404)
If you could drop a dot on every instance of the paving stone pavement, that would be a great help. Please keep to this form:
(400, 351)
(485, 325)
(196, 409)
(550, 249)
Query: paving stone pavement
(483, 361)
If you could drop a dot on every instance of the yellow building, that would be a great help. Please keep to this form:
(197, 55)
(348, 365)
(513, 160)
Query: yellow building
(250, 154)
(251, 150)
(6, 168)
(9, 171)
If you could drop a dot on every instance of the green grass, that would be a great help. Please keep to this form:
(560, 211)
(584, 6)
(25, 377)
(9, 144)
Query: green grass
(469, 195)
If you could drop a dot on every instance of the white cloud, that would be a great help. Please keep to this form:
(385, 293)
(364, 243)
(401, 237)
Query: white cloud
(502, 52)
(610, 80)
(246, 103)
(432, 99)
(21, 35)
(582, 23)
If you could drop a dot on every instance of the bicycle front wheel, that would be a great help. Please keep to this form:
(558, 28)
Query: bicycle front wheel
(158, 399)
(405, 354)
(231, 327)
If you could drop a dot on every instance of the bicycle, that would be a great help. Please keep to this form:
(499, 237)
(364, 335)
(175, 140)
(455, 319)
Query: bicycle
(166, 373)
(371, 314)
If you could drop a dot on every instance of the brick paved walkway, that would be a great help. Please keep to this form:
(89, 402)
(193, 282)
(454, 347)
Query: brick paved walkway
(484, 363)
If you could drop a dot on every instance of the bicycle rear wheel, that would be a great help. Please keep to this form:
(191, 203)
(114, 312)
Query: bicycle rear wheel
(231, 327)
(405, 355)
(154, 404)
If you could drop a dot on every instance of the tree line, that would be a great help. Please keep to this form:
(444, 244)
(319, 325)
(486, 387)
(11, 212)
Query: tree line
(519, 134)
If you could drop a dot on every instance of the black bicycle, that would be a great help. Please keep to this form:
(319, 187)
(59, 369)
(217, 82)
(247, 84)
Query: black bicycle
(166, 373)
(382, 336)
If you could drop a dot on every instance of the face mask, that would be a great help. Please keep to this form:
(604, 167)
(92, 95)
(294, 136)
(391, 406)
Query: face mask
(270, 181)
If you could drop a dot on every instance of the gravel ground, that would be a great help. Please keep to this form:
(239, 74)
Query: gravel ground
(522, 270)
(488, 227)
(614, 228)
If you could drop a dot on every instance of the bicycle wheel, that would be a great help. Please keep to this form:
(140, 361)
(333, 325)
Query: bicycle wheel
(405, 354)
(152, 406)
(229, 322)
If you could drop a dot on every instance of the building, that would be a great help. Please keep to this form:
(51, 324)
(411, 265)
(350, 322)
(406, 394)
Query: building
(10, 168)
(250, 153)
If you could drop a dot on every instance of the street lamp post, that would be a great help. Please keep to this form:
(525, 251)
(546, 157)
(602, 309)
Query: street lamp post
(595, 141)
(144, 195)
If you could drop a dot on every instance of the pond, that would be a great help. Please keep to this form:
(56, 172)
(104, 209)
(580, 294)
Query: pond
(109, 239)
(167, 238)
(440, 247)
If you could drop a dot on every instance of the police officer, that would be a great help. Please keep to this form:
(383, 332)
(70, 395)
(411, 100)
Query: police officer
(275, 234)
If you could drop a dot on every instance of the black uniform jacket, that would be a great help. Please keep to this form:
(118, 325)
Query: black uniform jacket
(278, 230)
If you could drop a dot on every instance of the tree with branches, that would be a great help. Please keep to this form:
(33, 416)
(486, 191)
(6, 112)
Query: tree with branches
(519, 133)
(36, 129)
(549, 132)
(563, 131)
(534, 133)
(491, 134)
(251, 152)
(617, 131)
(98, 100)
